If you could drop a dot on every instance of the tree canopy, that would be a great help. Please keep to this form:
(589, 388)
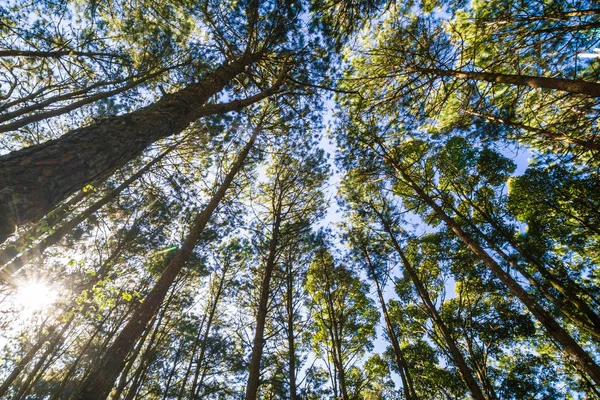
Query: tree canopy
(267, 199)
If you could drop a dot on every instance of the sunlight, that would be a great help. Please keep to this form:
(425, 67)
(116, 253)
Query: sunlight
(35, 296)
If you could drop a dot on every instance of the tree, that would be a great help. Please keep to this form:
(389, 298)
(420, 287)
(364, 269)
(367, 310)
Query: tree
(344, 317)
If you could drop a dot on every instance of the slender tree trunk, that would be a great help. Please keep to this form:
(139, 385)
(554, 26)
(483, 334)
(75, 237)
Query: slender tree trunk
(261, 314)
(569, 28)
(100, 381)
(563, 284)
(188, 370)
(401, 364)
(565, 85)
(34, 180)
(50, 240)
(290, 333)
(554, 330)
(172, 373)
(58, 338)
(575, 309)
(457, 357)
(58, 393)
(35, 232)
(204, 342)
(124, 379)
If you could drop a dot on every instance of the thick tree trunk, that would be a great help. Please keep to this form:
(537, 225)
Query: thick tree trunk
(566, 85)
(100, 381)
(36, 179)
(261, 314)
(553, 328)
(59, 233)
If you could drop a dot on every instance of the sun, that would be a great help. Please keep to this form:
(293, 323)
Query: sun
(35, 296)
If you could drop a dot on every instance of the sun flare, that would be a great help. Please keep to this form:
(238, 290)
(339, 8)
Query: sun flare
(35, 296)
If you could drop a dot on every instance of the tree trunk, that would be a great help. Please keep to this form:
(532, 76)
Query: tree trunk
(55, 341)
(575, 308)
(172, 373)
(100, 381)
(457, 357)
(401, 364)
(37, 230)
(290, 333)
(73, 368)
(211, 316)
(261, 315)
(554, 330)
(34, 180)
(566, 85)
(37, 251)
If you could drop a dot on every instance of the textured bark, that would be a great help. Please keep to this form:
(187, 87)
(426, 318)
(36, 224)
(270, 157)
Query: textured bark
(59, 233)
(463, 368)
(553, 328)
(35, 180)
(289, 305)
(566, 85)
(101, 379)
(261, 314)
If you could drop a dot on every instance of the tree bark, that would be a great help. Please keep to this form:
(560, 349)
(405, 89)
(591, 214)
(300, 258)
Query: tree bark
(100, 381)
(566, 85)
(289, 305)
(34, 180)
(261, 315)
(68, 226)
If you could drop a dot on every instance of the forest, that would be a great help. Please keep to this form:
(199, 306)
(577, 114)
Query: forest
(300, 199)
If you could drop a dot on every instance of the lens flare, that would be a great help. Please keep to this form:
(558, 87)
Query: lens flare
(35, 296)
